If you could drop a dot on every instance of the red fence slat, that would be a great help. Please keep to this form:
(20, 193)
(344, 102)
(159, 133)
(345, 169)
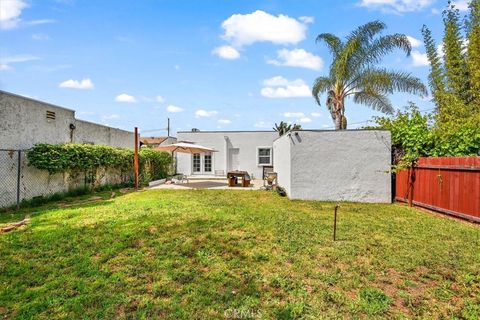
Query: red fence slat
(447, 184)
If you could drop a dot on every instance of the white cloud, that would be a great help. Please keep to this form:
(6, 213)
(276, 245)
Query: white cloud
(125, 98)
(263, 125)
(279, 87)
(38, 22)
(297, 58)
(205, 114)
(227, 52)
(307, 19)
(305, 120)
(415, 42)
(174, 109)
(461, 5)
(5, 62)
(419, 59)
(316, 114)
(40, 37)
(260, 26)
(160, 99)
(75, 84)
(110, 117)
(293, 114)
(397, 6)
(10, 11)
(224, 121)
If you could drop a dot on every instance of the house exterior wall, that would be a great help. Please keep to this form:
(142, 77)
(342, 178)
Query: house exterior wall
(282, 163)
(350, 165)
(247, 143)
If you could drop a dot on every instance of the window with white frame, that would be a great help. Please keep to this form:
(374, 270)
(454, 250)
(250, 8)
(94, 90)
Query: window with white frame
(264, 156)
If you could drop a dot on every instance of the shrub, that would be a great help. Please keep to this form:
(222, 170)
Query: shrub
(74, 158)
(417, 135)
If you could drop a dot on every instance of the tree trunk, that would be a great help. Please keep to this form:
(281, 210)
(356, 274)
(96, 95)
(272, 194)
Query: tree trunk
(339, 108)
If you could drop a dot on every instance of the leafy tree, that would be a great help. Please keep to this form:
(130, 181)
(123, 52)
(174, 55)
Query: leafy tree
(411, 134)
(473, 50)
(284, 127)
(353, 71)
(456, 69)
(455, 81)
(437, 72)
(416, 135)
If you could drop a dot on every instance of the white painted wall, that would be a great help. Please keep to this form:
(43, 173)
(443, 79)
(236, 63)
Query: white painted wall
(350, 165)
(282, 163)
(246, 141)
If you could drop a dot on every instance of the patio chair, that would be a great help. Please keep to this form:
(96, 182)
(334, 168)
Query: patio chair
(179, 178)
(246, 181)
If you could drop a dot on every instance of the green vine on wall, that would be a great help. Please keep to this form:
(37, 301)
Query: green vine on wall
(58, 158)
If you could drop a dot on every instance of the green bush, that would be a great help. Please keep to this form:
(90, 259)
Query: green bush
(74, 158)
(417, 135)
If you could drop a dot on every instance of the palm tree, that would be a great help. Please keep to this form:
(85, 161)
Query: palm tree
(284, 127)
(354, 74)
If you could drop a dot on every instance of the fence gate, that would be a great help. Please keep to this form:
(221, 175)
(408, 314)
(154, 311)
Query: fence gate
(10, 177)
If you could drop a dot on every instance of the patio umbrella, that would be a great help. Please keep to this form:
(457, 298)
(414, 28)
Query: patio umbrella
(184, 147)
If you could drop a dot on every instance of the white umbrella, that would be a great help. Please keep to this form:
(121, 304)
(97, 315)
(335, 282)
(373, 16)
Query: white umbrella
(184, 147)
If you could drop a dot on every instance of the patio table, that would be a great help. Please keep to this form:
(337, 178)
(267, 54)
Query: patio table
(231, 175)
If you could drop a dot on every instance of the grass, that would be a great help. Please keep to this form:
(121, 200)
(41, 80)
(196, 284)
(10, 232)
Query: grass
(201, 254)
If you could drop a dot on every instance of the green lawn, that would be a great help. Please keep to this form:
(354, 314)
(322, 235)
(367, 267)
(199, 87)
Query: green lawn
(203, 254)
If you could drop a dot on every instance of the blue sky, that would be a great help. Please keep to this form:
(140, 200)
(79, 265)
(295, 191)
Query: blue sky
(212, 65)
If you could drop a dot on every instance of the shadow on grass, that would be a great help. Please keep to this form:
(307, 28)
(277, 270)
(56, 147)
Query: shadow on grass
(91, 199)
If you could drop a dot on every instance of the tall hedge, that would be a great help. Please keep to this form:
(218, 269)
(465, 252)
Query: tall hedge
(57, 158)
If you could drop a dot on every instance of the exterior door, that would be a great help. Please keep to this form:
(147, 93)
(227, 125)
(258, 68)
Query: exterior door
(233, 162)
(196, 161)
(202, 163)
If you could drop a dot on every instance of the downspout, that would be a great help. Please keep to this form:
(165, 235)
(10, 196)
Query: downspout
(226, 154)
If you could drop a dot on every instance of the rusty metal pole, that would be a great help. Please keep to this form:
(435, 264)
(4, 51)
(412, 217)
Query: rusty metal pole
(135, 159)
(335, 223)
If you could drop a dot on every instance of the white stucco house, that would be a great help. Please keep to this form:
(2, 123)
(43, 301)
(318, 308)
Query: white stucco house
(347, 165)
(235, 150)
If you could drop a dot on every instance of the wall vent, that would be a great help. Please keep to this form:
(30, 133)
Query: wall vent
(51, 115)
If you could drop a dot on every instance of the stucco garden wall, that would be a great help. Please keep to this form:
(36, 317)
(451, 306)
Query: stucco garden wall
(23, 123)
(350, 165)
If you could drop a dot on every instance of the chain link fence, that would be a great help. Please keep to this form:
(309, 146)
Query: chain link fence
(10, 177)
(20, 182)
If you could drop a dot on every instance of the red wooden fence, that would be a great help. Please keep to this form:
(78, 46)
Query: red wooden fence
(449, 184)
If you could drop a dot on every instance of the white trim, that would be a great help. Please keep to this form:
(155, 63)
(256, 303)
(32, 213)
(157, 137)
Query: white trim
(258, 156)
(202, 163)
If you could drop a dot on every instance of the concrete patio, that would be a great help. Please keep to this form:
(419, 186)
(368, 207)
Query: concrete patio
(217, 184)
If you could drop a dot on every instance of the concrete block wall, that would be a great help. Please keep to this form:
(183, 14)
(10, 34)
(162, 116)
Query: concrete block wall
(24, 123)
(349, 165)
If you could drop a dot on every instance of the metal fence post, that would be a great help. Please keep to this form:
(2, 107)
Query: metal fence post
(18, 177)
